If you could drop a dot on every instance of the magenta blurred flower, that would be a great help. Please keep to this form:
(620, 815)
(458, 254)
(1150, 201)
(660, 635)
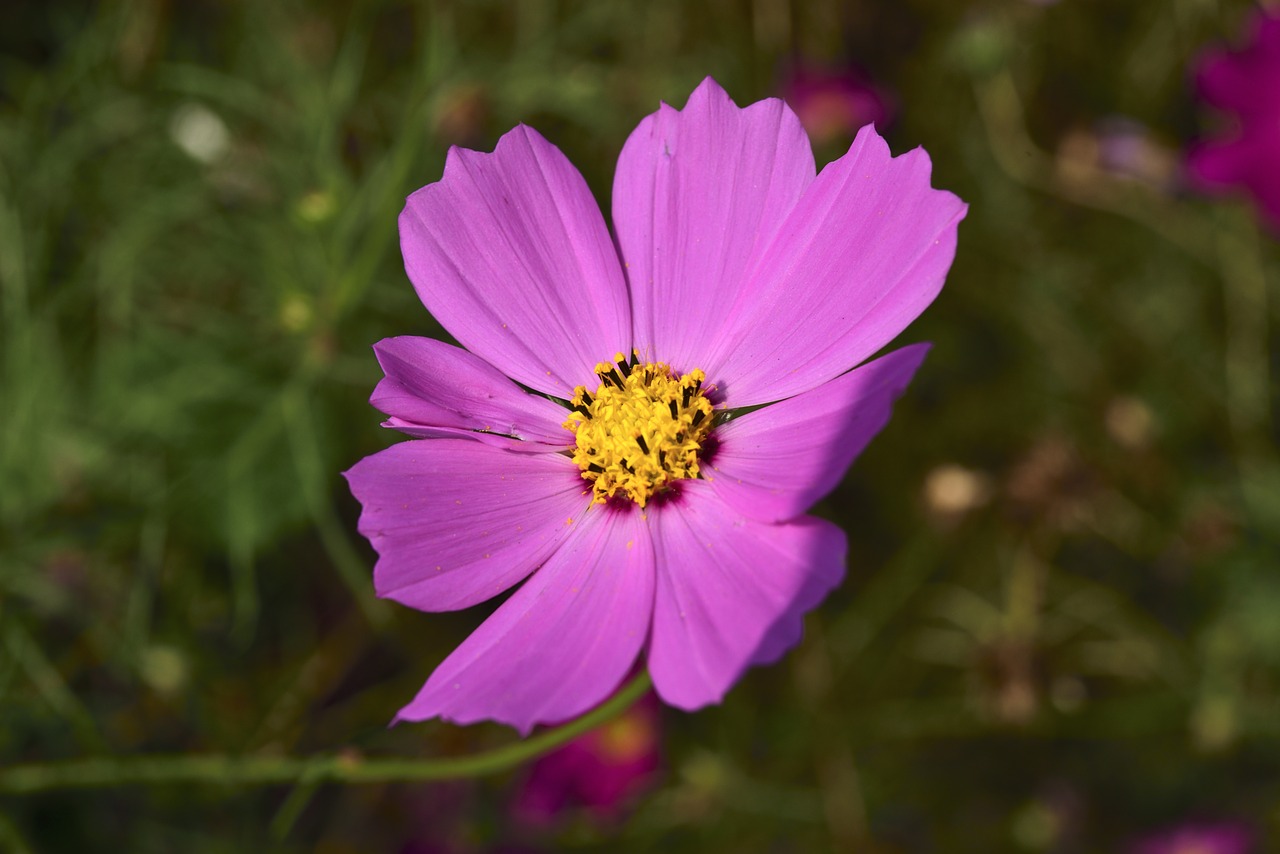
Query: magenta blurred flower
(1245, 83)
(1193, 838)
(834, 105)
(599, 771)
(641, 518)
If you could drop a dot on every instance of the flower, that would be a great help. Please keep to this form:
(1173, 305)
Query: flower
(1121, 148)
(1198, 838)
(642, 508)
(599, 771)
(1245, 83)
(833, 105)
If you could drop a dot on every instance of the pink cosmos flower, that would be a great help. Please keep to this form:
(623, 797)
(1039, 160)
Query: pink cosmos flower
(591, 440)
(1245, 83)
(1199, 838)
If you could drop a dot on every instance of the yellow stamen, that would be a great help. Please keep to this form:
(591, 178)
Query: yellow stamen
(642, 430)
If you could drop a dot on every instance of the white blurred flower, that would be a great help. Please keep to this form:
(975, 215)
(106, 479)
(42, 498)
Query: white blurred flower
(951, 489)
(199, 131)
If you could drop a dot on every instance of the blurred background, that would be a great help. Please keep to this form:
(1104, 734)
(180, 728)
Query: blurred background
(1061, 626)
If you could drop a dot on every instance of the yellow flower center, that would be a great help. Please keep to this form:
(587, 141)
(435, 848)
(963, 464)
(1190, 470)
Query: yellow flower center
(641, 431)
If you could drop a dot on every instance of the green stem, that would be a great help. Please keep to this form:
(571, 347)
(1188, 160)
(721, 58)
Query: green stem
(267, 770)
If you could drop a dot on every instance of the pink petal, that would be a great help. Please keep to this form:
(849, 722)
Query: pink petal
(494, 440)
(563, 642)
(1228, 82)
(1247, 161)
(456, 522)
(1220, 164)
(860, 256)
(731, 591)
(1267, 36)
(697, 192)
(774, 463)
(1245, 81)
(510, 253)
(433, 389)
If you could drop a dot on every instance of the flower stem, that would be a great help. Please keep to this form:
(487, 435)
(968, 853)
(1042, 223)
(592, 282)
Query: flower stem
(105, 772)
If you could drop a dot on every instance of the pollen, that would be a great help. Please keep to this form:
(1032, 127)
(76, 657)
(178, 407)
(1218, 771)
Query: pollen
(641, 431)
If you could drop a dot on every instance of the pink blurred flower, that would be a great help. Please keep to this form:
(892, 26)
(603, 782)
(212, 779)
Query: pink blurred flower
(599, 771)
(641, 520)
(1246, 84)
(834, 105)
(1198, 838)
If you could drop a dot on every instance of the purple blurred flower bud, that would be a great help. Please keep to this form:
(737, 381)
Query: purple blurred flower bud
(833, 105)
(599, 771)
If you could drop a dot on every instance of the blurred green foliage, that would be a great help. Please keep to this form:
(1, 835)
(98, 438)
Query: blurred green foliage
(1060, 627)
